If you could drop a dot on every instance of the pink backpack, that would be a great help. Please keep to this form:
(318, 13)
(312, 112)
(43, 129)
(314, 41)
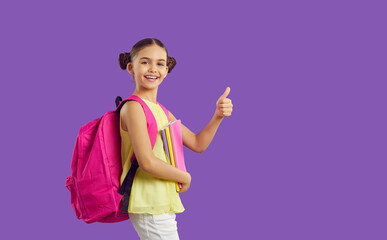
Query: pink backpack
(96, 167)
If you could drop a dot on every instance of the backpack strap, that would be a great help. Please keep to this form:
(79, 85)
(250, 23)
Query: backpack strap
(150, 119)
(151, 123)
(165, 110)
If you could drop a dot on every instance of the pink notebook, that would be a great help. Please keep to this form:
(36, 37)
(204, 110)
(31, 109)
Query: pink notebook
(177, 144)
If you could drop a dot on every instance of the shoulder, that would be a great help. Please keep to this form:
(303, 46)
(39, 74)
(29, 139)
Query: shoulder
(131, 106)
(132, 110)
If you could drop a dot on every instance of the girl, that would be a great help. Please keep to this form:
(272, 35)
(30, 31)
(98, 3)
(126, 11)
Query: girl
(154, 200)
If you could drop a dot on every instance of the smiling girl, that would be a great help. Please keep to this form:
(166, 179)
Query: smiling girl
(154, 200)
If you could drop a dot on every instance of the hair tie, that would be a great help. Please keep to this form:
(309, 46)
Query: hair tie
(171, 62)
(124, 59)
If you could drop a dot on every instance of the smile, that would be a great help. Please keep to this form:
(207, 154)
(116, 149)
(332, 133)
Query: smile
(151, 78)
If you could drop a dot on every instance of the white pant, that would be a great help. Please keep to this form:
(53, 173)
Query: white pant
(155, 227)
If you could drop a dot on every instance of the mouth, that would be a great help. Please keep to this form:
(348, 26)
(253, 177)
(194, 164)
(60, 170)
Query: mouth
(151, 78)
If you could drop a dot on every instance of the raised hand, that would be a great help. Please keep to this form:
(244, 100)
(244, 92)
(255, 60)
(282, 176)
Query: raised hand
(224, 105)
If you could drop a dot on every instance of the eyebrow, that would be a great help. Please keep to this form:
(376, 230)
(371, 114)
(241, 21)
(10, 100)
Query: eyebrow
(151, 59)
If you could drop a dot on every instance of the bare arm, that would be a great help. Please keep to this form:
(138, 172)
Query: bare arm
(199, 142)
(134, 120)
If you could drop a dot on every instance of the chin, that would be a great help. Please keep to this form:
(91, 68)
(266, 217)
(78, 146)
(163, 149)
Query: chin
(151, 86)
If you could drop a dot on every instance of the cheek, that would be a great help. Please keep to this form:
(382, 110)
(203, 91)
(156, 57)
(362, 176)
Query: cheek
(163, 71)
(138, 70)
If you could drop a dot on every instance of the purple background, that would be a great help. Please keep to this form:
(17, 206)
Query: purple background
(302, 157)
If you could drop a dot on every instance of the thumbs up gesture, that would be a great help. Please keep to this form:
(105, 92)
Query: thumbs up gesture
(224, 105)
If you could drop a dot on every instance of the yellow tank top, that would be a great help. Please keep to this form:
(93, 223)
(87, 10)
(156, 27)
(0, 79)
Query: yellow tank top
(150, 194)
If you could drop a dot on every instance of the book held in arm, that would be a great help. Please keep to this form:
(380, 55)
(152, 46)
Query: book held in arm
(166, 146)
(173, 144)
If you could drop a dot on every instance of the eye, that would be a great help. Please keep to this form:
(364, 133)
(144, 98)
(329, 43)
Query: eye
(161, 64)
(144, 62)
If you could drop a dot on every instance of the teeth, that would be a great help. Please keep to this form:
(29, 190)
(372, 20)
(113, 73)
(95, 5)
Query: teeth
(151, 77)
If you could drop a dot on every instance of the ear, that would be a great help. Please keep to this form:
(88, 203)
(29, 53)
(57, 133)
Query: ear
(129, 67)
(166, 73)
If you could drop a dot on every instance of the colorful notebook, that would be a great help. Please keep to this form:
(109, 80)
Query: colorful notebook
(177, 144)
(166, 146)
(173, 144)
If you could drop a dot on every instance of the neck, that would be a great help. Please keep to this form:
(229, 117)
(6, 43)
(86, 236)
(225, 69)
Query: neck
(150, 95)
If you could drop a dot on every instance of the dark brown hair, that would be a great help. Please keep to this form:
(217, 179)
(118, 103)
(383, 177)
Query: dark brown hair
(127, 57)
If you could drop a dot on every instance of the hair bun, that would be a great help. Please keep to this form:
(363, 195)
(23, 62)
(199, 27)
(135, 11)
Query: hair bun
(171, 63)
(124, 59)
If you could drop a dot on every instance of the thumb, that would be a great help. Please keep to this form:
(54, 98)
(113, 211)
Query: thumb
(226, 93)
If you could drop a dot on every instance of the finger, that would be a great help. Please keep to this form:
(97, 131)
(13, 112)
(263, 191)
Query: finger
(224, 100)
(225, 108)
(183, 189)
(226, 93)
(227, 114)
(225, 105)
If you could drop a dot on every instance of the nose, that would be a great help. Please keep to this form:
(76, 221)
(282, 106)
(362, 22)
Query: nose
(152, 68)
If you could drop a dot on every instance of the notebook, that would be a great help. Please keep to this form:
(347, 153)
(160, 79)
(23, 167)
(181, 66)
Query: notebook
(173, 144)
(166, 146)
(177, 144)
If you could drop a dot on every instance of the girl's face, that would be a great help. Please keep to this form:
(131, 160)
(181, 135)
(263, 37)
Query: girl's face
(149, 67)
